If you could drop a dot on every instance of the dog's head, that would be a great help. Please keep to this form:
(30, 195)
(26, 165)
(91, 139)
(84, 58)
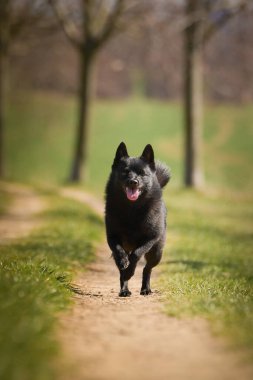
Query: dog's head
(135, 176)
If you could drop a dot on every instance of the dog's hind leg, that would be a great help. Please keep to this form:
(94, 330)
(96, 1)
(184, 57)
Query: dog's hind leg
(153, 258)
(124, 291)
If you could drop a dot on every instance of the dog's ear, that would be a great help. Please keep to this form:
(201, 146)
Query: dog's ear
(121, 152)
(148, 156)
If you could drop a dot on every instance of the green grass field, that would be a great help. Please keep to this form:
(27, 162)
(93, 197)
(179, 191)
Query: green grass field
(41, 130)
(208, 264)
(4, 200)
(35, 284)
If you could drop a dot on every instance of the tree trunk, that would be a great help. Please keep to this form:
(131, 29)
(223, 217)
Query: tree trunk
(2, 109)
(4, 44)
(3, 94)
(80, 149)
(193, 97)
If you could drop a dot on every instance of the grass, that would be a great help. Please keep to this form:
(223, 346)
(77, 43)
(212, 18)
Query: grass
(208, 260)
(35, 284)
(40, 138)
(208, 265)
(4, 201)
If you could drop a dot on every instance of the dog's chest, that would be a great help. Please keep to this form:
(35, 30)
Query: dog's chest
(133, 234)
(128, 245)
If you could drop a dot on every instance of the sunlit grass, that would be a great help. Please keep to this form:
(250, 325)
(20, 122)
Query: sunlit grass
(41, 129)
(208, 263)
(36, 276)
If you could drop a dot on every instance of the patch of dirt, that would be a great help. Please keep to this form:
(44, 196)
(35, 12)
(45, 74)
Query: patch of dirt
(20, 217)
(106, 337)
(83, 197)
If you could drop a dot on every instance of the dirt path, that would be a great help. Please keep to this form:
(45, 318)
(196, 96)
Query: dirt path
(106, 337)
(20, 218)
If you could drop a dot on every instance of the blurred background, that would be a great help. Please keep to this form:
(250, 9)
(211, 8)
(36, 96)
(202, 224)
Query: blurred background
(176, 74)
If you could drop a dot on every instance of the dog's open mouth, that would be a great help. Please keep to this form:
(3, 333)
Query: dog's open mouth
(133, 193)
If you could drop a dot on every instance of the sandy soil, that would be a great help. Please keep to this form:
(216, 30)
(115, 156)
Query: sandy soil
(20, 218)
(106, 337)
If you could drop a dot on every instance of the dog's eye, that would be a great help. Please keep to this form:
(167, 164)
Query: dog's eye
(141, 172)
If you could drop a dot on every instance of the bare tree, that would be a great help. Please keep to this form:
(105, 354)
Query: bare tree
(203, 19)
(15, 18)
(88, 28)
(3, 63)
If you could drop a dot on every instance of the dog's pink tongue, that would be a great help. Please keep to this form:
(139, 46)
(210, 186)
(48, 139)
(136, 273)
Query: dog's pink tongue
(132, 194)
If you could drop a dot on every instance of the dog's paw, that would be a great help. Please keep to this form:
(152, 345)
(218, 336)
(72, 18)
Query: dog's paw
(145, 292)
(124, 263)
(125, 293)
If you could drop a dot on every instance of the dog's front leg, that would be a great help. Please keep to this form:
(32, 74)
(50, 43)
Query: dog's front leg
(124, 291)
(143, 249)
(127, 273)
(135, 256)
(121, 258)
(119, 254)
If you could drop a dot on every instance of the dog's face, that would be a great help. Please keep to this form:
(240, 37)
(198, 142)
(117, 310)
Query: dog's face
(134, 175)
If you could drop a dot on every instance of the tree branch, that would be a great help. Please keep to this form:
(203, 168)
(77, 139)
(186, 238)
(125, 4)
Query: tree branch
(228, 14)
(67, 25)
(87, 18)
(110, 23)
(29, 15)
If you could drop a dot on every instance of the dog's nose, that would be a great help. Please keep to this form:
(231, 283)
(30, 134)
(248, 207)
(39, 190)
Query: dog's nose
(133, 182)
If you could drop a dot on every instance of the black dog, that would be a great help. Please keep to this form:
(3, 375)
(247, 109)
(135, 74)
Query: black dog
(135, 214)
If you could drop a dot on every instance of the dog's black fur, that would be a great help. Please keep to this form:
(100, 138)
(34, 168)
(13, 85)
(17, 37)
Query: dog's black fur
(135, 214)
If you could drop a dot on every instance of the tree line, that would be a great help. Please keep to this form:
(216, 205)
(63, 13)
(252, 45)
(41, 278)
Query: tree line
(89, 24)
